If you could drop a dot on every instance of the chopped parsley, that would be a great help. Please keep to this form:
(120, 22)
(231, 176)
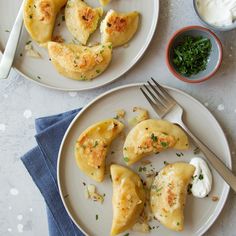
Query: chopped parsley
(7, 31)
(27, 43)
(98, 71)
(190, 188)
(191, 55)
(154, 138)
(96, 217)
(126, 159)
(83, 77)
(63, 18)
(164, 144)
(95, 144)
(159, 189)
(201, 177)
(179, 154)
(142, 169)
(177, 223)
(166, 163)
(126, 234)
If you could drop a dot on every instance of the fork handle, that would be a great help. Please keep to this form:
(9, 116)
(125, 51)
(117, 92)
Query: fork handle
(215, 161)
(9, 53)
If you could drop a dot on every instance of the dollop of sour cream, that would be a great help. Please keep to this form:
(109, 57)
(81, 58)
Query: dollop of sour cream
(202, 178)
(217, 12)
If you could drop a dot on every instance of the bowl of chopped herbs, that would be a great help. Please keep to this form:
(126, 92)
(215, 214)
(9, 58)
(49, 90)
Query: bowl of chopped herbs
(194, 54)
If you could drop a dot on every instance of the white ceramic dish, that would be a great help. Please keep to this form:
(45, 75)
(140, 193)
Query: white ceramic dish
(42, 71)
(200, 214)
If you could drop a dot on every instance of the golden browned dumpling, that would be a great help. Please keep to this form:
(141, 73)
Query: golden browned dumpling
(92, 146)
(168, 194)
(80, 62)
(104, 2)
(128, 198)
(81, 19)
(119, 28)
(153, 136)
(39, 18)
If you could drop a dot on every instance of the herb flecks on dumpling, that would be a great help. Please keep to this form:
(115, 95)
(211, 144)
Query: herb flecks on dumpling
(81, 19)
(92, 146)
(80, 62)
(119, 28)
(39, 18)
(168, 194)
(128, 198)
(153, 136)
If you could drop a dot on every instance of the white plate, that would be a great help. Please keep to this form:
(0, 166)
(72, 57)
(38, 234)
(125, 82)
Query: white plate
(43, 72)
(199, 214)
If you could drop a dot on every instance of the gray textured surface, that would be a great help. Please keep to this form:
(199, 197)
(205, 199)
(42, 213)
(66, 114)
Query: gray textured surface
(26, 209)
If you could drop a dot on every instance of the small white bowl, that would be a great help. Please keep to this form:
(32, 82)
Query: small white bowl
(213, 27)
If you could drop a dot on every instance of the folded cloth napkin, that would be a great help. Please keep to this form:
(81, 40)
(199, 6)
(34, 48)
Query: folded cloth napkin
(41, 163)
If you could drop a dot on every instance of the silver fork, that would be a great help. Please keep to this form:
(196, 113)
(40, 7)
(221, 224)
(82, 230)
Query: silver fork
(166, 107)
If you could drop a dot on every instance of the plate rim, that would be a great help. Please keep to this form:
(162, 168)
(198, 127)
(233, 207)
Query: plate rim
(137, 58)
(226, 190)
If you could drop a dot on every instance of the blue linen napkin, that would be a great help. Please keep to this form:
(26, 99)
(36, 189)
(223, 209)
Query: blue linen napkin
(41, 163)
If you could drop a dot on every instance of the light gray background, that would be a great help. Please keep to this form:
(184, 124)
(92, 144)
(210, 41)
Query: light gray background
(21, 101)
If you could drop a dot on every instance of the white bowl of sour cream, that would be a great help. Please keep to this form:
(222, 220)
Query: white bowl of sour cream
(217, 14)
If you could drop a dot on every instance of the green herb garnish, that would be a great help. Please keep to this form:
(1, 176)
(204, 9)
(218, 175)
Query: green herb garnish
(95, 144)
(166, 163)
(164, 144)
(96, 217)
(201, 177)
(159, 189)
(153, 137)
(191, 55)
(27, 43)
(190, 188)
(126, 159)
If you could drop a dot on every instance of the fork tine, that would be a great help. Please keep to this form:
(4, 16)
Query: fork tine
(158, 102)
(163, 91)
(153, 105)
(163, 99)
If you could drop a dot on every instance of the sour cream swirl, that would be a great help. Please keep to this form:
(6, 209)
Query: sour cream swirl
(202, 178)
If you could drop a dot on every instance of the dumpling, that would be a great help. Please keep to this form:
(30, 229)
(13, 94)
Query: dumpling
(119, 28)
(92, 146)
(40, 16)
(80, 62)
(153, 136)
(81, 19)
(128, 198)
(104, 2)
(168, 194)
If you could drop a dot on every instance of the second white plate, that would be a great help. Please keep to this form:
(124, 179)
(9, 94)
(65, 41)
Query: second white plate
(43, 72)
(200, 214)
